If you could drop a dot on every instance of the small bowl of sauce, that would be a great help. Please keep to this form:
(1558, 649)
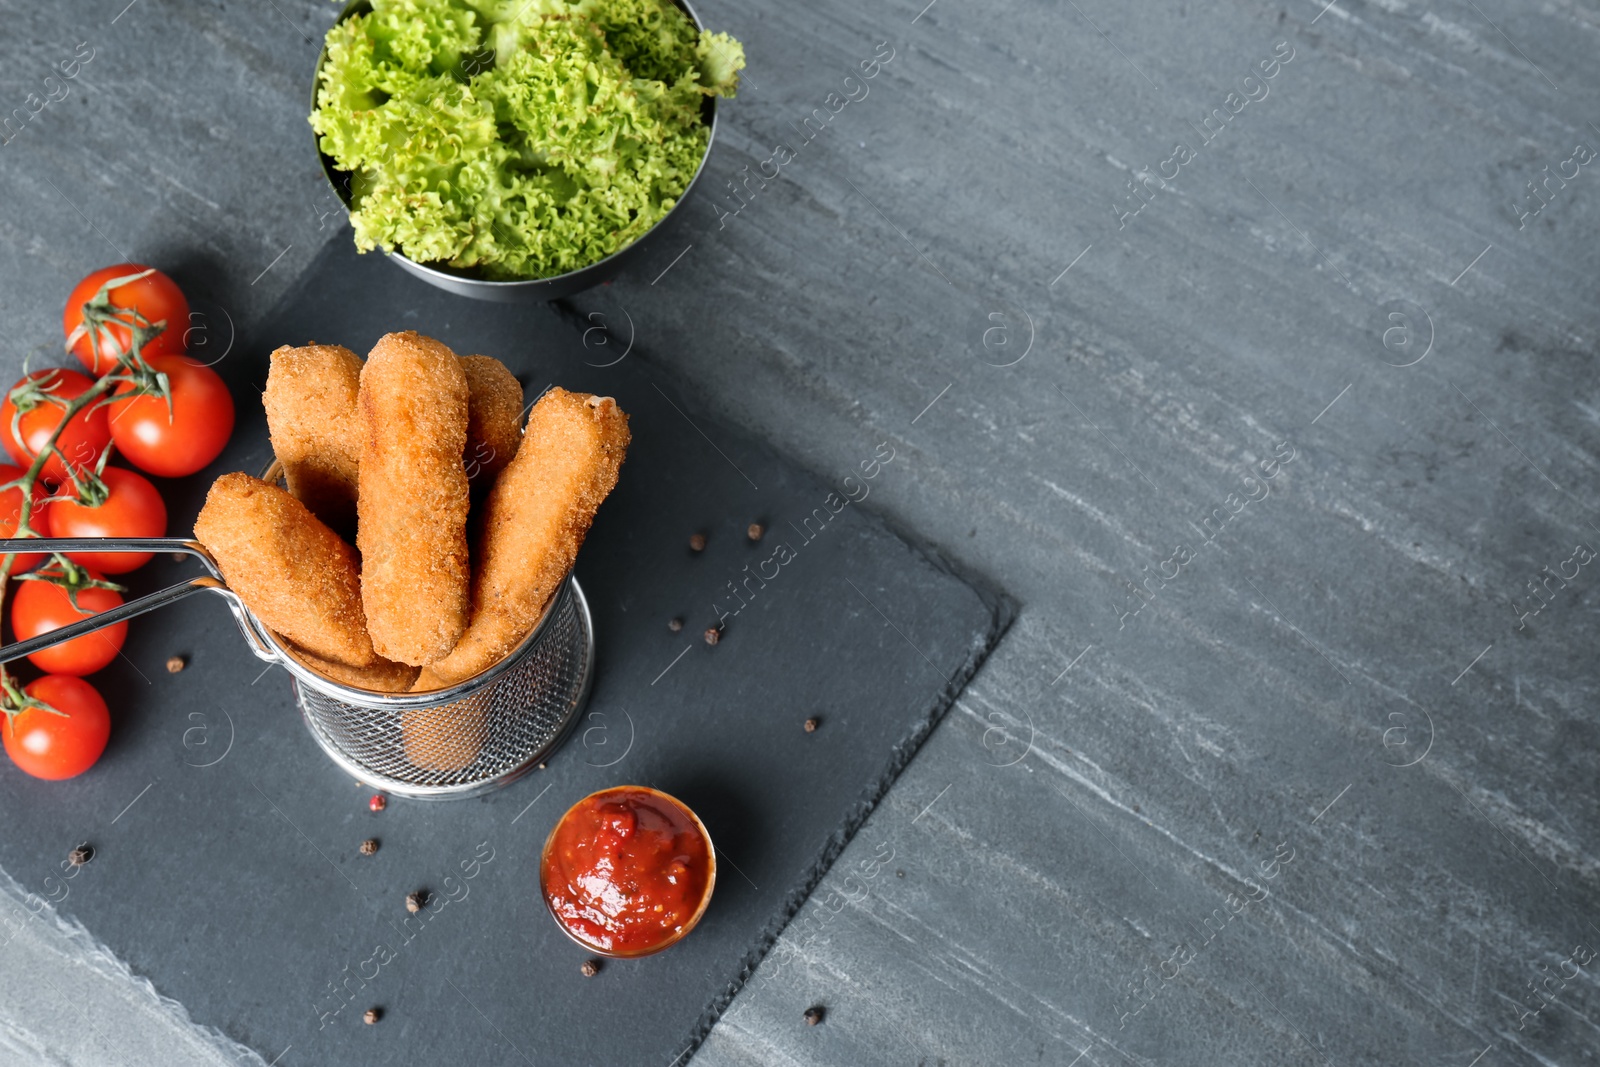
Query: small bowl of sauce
(627, 871)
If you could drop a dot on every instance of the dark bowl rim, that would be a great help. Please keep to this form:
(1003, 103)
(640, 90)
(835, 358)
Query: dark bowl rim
(448, 276)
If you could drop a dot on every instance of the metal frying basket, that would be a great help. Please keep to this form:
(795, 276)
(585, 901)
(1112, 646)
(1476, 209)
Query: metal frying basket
(472, 737)
(462, 741)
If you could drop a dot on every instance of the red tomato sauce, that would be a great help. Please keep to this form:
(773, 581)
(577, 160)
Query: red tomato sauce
(626, 870)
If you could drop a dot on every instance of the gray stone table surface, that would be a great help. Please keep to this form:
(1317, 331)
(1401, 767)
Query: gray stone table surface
(1287, 769)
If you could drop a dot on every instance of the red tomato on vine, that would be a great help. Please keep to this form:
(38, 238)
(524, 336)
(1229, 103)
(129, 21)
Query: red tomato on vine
(11, 509)
(156, 297)
(180, 438)
(32, 410)
(132, 508)
(42, 606)
(63, 739)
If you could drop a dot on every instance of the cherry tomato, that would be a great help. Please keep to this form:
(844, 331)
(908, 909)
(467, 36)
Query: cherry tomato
(191, 436)
(133, 508)
(81, 442)
(156, 297)
(11, 507)
(51, 746)
(41, 606)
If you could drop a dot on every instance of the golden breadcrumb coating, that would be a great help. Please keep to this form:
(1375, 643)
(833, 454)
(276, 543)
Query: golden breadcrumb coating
(494, 417)
(380, 676)
(311, 415)
(535, 519)
(412, 498)
(296, 575)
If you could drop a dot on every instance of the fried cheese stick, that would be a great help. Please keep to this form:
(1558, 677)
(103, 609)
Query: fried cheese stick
(381, 675)
(294, 573)
(412, 499)
(494, 417)
(535, 519)
(311, 416)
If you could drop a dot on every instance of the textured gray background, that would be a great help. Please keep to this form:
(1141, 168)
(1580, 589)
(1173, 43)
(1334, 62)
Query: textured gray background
(1062, 834)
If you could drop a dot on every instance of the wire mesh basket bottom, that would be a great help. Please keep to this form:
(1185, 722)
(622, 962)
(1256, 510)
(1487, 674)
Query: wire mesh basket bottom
(478, 742)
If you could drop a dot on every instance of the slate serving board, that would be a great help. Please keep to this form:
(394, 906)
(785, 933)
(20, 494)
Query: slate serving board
(226, 865)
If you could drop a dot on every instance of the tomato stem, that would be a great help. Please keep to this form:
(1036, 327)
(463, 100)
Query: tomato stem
(16, 701)
(72, 578)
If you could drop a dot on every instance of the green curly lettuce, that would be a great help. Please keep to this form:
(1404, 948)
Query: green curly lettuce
(517, 138)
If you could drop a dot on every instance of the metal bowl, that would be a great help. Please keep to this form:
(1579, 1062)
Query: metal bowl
(529, 290)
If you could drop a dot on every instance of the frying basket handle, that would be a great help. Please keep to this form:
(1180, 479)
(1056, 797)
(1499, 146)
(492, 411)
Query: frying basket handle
(161, 598)
(31, 545)
(111, 617)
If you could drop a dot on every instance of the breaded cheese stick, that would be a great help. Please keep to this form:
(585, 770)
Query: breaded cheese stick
(447, 738)
(494, 417)
(412, 498)
(294, 573)
(380, 676)
(311, 416)
(535, 519)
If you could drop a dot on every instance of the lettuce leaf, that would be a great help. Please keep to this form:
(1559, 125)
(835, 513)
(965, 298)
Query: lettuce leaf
(517, 138)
